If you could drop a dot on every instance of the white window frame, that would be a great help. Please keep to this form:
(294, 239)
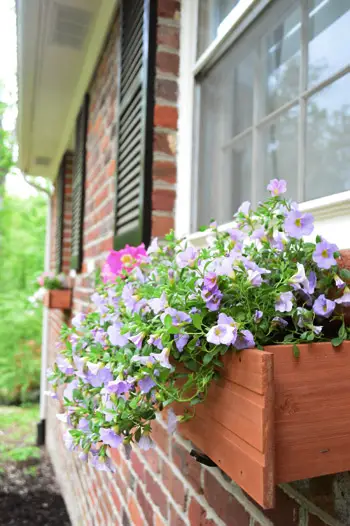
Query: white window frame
(332, 213)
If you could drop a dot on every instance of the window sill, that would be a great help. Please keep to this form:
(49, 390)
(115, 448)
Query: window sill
(332, 221)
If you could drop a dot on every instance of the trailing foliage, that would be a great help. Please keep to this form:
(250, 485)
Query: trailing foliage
(163, 319)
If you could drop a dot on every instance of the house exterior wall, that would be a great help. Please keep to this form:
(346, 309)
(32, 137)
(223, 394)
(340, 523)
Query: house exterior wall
(164, 486)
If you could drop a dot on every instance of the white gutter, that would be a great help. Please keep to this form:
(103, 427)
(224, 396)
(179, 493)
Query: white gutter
(45, 325)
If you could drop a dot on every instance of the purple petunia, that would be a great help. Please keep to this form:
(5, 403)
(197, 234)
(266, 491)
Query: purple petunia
(68, 441)
(172, 421)
(214, 301)
(68, 392)
(222, 334)
(244, 208)
(284, 302)
(64, 365)
(323, 306)
(210, 280)
(137, 340)
(145, 443)
(97, 375)
(156, 341)
(102, 463)
(78, 320)
(115, 337)
(279, 322)
(109, 437)
(180, 341)
(257, 316)
(344, 299)
(162, 358)
(254, 278)
(84, 425)
(339, 283)
(277, 187)
(298, 224)
(245, 340)
(186, 258)
(158, 304)
(323, 255)
(118, 387)
(146, 384)
(178, 317)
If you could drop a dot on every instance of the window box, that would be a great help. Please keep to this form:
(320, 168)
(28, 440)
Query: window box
(58, 299)
(275, 418)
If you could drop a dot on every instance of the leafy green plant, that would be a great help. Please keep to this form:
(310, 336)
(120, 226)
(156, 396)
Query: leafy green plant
(255, 284)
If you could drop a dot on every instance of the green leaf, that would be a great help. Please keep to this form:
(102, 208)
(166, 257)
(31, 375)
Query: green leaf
(173, 330)
(168, 322)
(196, 400)
(337, 341)
(191, 365)
(296, 350)
(342, 331)
(197, 320)
(207, 358)
(344, 273)
(288, 338)
(318, 239)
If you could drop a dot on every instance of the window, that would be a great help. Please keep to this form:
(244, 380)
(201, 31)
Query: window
(274, 102)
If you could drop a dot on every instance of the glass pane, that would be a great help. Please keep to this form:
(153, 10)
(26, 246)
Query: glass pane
(328, 141)
(210, 15)
(280, 152)
(281, 62)
(242, 94)
(329, 23)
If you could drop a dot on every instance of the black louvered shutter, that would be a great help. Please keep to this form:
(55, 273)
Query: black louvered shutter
(59, 217)
(78, 190)
(135, 124)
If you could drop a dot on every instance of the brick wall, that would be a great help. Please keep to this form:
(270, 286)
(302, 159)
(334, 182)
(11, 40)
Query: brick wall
(164, 486)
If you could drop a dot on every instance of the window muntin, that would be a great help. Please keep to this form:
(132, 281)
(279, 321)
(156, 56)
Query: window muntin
(276, 104)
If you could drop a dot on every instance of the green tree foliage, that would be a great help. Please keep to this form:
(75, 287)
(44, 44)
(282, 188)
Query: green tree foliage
(22, 240)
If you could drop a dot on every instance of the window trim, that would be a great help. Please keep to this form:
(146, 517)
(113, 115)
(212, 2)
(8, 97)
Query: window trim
(324, 209)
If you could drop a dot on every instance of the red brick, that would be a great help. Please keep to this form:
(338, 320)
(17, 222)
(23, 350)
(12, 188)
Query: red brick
(157, 494)
(153, 460)
(161, 225)
(163, 200)
(168, 36)
(174, 485)
(175, 519)
(165, 116)
(163, 143)
(285, 512)
(315, 521)
(164, 171)
(134, 511)
(160, 436)
(158, 521)
(167, 89)
(197, 515)
(190, 468)
(167, 63)
(137, 466)
(225, 505)
(145, 505)
(111, 168)
(168, 8)
(115, 497)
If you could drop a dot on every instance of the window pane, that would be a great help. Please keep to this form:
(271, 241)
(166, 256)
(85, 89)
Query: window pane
(280, 152)
(281, 56)
(242, 95)
(329, 23)
(328, 141)
(211, 14)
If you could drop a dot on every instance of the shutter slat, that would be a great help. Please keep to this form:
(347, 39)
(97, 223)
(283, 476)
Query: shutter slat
(78, 186)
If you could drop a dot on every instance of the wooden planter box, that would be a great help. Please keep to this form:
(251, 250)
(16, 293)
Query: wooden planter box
(58, 299)
(275, 418)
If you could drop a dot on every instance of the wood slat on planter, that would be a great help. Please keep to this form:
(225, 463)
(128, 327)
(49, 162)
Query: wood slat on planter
(312, 411)
(58, 299)
(234, 426)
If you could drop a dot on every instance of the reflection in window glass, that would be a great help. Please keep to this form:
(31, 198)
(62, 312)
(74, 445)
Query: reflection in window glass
(282, 62)
(211, 14)
(329, 24)
(280, 151)
(328, 141)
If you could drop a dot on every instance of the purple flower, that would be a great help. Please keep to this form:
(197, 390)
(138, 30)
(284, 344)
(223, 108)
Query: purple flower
(210, 280)
(323, 306)
(118, 387)
(339, 283)
(146, 384)
(300, 276)
(277, 320)
(222, 333)
(68, 392)
(84, 425)
(310, 284)
(83, 456)
(214, 301)
(156, 341)
(317, 329)
(284, 302)
(68, 441)
(180, 341)
(109, 437)
(130, 301)
(78, 320)
(64, 365)
(115, 337)
(345, 298)
(257, 316)
(193, 310)
(178, 317)
(298, 224)
(162, 358)
(277, 187)
(223, 319)
(254, 277)
(98, 376)
(245, 340)
(323, 255)
(154, 247)
(100, 302)
(102, 463)
(244, 208)
(137, 340)
(278, 240)
(145, 443)
(99, 336)
(236, 238)
(186, 258)
(172, 421)
(158, 304)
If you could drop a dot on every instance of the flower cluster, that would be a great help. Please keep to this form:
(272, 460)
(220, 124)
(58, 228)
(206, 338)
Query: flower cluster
(162, 319)
(47, 281)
